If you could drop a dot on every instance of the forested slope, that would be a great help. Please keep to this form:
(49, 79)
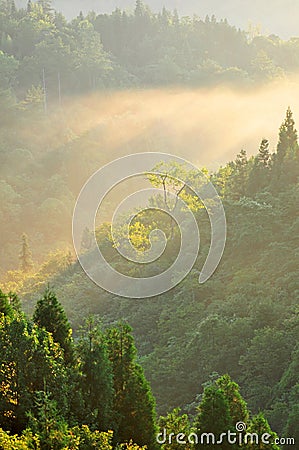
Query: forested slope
(244, 321)
(75, 95)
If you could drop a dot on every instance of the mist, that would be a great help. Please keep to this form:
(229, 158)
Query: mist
(207, 126)
(59, 151)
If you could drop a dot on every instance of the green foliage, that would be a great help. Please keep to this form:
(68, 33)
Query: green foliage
(8, 73)
(5, 307)
(91, 439)
(237, 406)
(30, 360)
(26, 442)
(260, 426)
(96, 378)
(134, 405)
(176, 423)
(50, 315)
(213, 417)
(241, 322)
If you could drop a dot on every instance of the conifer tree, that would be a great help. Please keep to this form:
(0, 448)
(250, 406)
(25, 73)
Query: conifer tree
(259, 176)
(25, 256)
(288, 138)
(97, 378)
(50, 315)
(259, 426)
(291, 428)
(175, 423)
(237, 405)
(286, 159)
(213, 417)
(134, 405)
(5, 307)
(239, 177)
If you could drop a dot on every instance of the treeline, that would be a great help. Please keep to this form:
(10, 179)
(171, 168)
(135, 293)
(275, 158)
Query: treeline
(57, 392)
(266, 172)
(42, 52)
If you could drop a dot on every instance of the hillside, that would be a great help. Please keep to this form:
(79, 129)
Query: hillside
(228, 324)
(81, 367)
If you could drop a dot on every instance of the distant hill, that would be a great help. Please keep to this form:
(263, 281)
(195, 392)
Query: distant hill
(280, 17)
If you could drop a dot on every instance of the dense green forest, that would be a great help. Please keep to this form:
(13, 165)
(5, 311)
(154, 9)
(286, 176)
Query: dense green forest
(138, 49)
(75, 95)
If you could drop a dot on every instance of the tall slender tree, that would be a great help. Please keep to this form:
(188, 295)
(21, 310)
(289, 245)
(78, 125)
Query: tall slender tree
(97, 378)
(259, 176)
(134, 403)
(288, 138)
(286, 159)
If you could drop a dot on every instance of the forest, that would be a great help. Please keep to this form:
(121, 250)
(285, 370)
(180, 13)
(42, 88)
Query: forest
(81, 368)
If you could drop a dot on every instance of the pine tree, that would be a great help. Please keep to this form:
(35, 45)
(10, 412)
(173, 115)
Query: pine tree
(50, 315)
(25, 256)
(5, 307)
(213, 417)
(239, 176)
(47, 423)
(175, 423)
(291, 428)
(264, 156)
(288, 138)
(97, 378)
(286, 159)
(134, 404)
(258, 427)
(259, 176)
(237, 406)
